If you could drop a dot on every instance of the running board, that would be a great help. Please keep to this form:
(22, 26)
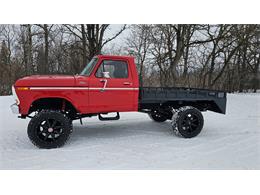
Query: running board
(117, 117)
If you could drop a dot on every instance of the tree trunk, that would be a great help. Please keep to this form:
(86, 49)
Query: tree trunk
(46, 48)
(243, 70)
(84, 45)
(29, 50)
(256, 74)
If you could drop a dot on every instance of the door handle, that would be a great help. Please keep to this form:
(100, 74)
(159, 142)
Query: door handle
(127, 83)
(105, 84)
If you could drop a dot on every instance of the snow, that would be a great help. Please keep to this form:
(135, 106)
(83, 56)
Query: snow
(230, 141)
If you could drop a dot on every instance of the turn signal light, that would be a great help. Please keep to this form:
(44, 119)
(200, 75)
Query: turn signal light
(23, 88)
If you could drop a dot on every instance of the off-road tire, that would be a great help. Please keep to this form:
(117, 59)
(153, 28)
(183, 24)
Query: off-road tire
(187, 129)
(157, 117)
(37, 137)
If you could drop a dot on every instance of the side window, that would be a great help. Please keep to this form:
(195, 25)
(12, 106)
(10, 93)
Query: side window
(116, 69)
(100, 70)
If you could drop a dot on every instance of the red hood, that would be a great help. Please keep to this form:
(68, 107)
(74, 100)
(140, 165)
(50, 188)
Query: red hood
(46, 80)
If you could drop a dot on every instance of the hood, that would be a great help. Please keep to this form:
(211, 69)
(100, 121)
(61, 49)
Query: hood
(46, 80)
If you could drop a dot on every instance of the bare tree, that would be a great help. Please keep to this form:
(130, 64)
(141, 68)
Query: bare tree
(46, 29)
(91, 37)
(139, 44)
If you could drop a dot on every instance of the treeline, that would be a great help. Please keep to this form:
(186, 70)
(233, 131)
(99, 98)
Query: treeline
(48, 49)
(221, 56)
(225, 57)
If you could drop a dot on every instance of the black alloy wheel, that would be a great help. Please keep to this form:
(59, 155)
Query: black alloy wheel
(49, 129)
(189, 122)
(157, 116)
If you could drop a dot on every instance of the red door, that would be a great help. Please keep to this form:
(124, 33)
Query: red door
(111, 87)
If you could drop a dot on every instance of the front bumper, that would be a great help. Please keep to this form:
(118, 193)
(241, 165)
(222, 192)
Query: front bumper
(15, 109)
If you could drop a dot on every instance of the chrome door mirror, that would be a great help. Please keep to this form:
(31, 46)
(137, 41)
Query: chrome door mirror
(106, 75)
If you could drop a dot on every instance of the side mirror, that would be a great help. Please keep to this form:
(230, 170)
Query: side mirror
(106, 75)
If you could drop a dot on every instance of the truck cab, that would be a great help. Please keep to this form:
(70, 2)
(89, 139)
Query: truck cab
(107, 84)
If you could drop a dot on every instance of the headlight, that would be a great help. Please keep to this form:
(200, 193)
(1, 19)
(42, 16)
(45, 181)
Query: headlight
(15, 96)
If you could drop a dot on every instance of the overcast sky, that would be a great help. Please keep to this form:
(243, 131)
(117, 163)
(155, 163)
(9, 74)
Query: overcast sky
(120, 40)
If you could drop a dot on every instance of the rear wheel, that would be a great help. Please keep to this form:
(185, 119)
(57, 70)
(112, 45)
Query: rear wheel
(49, 129)
(160, 116)
(187, 122)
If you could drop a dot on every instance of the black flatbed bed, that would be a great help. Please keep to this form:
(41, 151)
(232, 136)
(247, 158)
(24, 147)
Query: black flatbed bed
(203, 99)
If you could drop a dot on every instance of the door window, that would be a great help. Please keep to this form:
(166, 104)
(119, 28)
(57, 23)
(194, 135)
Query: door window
(116, 69)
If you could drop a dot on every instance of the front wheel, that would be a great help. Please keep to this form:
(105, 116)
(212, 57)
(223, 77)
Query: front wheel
(187, 122)
(49, 129)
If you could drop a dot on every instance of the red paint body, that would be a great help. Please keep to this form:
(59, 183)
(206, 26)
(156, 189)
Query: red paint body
(83, 92)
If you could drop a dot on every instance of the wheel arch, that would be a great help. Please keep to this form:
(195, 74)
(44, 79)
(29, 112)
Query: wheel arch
(54, 103)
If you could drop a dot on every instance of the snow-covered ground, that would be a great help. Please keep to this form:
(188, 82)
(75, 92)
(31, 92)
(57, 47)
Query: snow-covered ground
(230, 141)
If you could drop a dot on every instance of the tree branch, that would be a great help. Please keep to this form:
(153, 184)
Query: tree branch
(116, 35)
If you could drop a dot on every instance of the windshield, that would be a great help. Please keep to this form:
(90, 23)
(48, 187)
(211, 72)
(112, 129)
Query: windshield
(88, 69)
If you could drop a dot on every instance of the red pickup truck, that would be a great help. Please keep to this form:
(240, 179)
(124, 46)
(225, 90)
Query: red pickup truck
(107, 84)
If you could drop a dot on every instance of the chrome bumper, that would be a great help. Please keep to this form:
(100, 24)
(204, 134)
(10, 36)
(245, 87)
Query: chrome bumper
(15, 109)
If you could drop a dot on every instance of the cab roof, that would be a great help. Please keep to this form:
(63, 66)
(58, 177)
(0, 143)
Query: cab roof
(114, 57)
